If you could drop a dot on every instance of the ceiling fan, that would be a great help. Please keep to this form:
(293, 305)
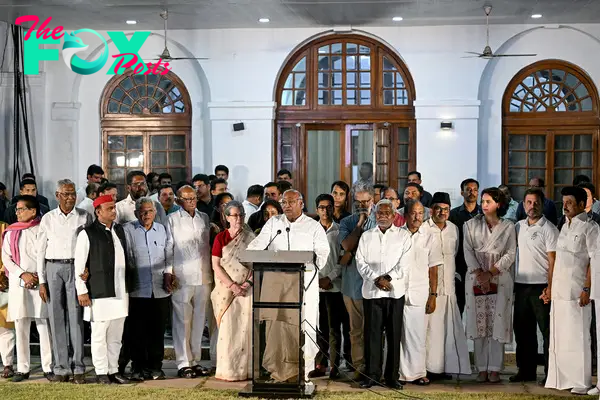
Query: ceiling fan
(487, 51)
(166, 54)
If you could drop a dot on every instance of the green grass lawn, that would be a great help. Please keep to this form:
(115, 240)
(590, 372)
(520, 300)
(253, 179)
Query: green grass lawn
(96, 392)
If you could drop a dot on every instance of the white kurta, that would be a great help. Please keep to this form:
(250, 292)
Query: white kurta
(425, 253)
(109, 308)
(570, 362)
(484, 249)
(447, 350)
(23, 303)
(305, 234)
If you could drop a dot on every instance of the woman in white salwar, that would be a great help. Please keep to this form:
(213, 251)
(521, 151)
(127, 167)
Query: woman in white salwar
(490, 250)
(231, 297)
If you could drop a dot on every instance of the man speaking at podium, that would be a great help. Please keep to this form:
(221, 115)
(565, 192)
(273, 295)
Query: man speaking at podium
(291, 231)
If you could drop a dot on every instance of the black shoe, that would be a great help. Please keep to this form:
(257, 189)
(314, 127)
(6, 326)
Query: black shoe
(20, 377)
(118, 379)
(137, 376)
(103, 380)
(49, 376)
(542, 382)
(158, 376)
(78, 379)
(334, 374)
(519, 377)
(367, 384)
(200, 371)
(60, 378)
(316, 373)
(394, 385)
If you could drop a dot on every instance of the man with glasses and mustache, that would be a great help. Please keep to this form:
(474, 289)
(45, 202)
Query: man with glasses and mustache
(190, 258)
(56, 241)
(137, 188)
(291, 231)
(469, 190)
(447, 351)
(351, 229)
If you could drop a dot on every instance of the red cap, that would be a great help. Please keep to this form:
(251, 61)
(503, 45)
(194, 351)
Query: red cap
(107, 198)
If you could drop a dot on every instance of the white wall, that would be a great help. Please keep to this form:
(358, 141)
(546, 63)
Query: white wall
(236, 85)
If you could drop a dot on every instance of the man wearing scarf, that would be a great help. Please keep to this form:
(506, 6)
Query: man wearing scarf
(100, 252)
(25, 304)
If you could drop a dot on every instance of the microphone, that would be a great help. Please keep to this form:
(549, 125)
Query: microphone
(288, 236)
(271, 241)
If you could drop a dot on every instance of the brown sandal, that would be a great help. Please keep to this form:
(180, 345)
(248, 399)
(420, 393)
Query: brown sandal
(8, 372)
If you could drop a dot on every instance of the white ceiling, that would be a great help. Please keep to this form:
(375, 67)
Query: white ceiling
(211, 14)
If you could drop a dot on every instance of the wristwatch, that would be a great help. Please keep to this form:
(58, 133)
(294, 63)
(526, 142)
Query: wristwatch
(586, 289)
(433, 294)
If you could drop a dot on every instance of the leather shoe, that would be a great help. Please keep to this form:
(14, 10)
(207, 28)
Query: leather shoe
(367, 384)
(519, 377)
(49, 376)
(316, 373)
(78, 379)
(158, 376)
(103, 380)
(334, 374)
(118, 378)
(20, 377)
(394, 385)
(60, 378)
(137, 376)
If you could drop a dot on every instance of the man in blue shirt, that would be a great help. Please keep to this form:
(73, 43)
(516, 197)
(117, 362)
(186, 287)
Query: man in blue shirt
(351, 229)
(148, 246)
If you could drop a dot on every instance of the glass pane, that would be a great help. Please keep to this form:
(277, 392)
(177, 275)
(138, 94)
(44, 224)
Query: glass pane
(177, 142)
(158, 142)
(563, 159)
(365, 63)
(116, 174)
(134, 94)
(583, 142)
(116, 143)
(365, 97)
(586, 172)
(537, 159)
(323, 164)
(301, 66)
(403, 135)
(139, 79)
(134, 159)
(299, 81)
(361, 143)
(127, 100)
(537, 142)
(365, 79)
(116, 159)
(336, 48)
(286, 97)
(387, 65)
(517, 142)
(137, 109)
(324, 49)
(300, 97)
(135, 142)
(323, 63)
(516, 176)
(351, 79)
(401, 97)
(324, 79)
(158, 159)
(124, 109)
(177, 158)
(323, 97)
(388, 79)
(336, 63)
(127, 83)
(535, 173)
(289, 82)
(337, 97)
(563, 142)
(286, 152)
(117, 94)
(583, 159)
(364, 50)
(563, 176)
(557, 194)
(351, 97)
(336, 80)
(351, 48)
(403, 152)
(517, 192)
(143, 90)
(581, 91)
(178, 174)
(586, 104)
(388, 97)
(350, 62)
(517, 159)
(399, 80)
(403, 169)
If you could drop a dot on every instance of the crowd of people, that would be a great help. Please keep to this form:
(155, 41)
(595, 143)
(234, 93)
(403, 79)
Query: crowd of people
(397, 273)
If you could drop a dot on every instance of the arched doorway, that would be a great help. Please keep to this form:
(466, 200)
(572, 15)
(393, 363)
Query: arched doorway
(343, 100)
(146, 124)
(550, 127)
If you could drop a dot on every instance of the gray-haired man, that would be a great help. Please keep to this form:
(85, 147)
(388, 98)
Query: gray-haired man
(55, 266)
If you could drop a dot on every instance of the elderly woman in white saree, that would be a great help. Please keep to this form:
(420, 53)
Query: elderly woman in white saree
(231, 297)
(490, 250)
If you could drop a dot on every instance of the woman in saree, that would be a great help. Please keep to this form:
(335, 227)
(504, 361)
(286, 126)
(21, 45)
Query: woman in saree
(231, 297)
(490, 249)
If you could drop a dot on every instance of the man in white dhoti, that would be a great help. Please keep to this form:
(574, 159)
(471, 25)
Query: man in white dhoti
(383, 261)
(190, 258)
(100, 256)
(447, 351)
(570, 363)
(291, 231)
(536, 252)
(24, 303)
(421, 291)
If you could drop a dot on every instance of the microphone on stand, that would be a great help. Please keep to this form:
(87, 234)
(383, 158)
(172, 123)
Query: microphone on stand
(277, 234)
(288, 236)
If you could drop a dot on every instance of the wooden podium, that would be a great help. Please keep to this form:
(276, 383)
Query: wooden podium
(278, 294)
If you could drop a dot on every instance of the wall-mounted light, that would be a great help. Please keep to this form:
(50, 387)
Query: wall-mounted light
(446, 125)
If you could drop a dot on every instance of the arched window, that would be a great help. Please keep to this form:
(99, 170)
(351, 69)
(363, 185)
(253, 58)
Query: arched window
(146, 125)
(339, 98)
(551, 125)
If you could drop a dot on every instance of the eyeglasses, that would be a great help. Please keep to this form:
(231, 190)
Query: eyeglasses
(20, 210)
(236, 216)
(147, 212)
(66, 195)
(188, 199)
(323, 208)
(442, 209)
